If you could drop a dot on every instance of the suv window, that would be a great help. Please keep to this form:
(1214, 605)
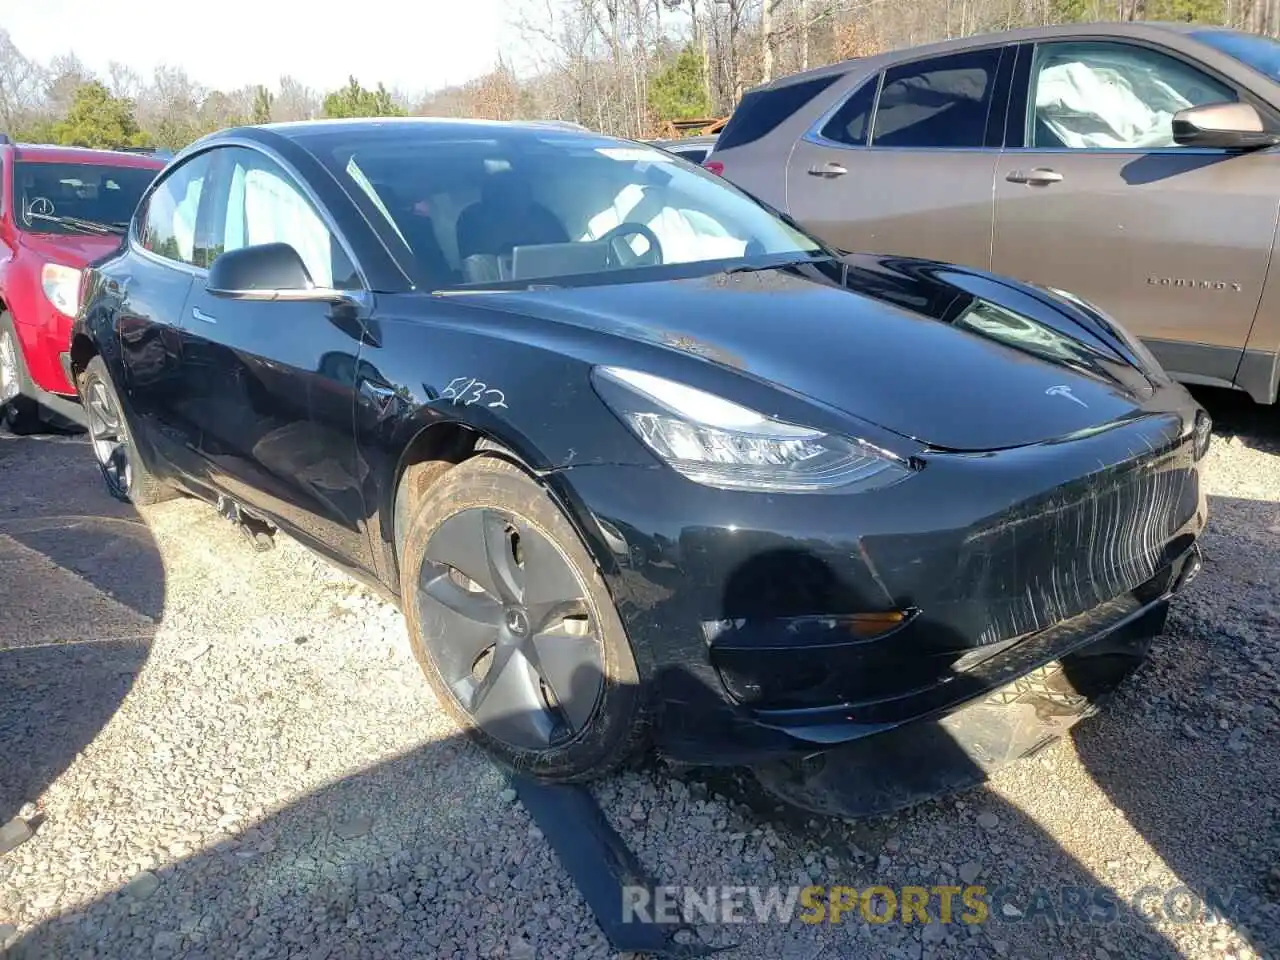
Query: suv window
(168, 226)
(257, 202)
(1112, 96)
(942, 102)
(760, 111)
(849, 124)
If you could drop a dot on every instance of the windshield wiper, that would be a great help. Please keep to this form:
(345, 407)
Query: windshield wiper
(776, 264)
(84, 226)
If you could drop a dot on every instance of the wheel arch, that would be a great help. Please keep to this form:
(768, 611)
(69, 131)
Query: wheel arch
(83, 349)
(437, 448)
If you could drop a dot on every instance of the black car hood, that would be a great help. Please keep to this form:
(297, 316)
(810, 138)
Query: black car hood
(955, 358)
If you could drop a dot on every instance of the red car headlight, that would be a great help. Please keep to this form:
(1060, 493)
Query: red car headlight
(61, 286)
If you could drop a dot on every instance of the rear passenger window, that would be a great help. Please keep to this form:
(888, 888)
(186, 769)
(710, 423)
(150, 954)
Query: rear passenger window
(941, 102)
(760, 111)
(849, 124)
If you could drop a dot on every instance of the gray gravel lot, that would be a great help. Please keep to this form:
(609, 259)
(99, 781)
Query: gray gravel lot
(228, 754)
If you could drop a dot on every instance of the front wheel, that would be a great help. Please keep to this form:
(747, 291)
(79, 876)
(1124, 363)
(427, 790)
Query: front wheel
(126, 476)
(513, 627)
(18, 411)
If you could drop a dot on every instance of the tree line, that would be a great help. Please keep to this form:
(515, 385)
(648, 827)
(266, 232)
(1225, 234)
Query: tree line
(622, 67)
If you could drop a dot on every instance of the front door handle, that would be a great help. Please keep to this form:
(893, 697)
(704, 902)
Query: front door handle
(828, 170)
(202, 316)
(1039, 177)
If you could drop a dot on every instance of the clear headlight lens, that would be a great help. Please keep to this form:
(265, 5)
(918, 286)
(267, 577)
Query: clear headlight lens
(719, 443)
(62, 286)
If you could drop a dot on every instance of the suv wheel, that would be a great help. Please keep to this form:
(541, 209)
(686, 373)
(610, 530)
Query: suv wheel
(18, 411)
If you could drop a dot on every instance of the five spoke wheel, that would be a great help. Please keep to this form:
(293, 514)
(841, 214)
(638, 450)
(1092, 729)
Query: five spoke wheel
(508, 623)
(108, 438)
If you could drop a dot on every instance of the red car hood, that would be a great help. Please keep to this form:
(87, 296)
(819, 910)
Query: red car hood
(72, 249)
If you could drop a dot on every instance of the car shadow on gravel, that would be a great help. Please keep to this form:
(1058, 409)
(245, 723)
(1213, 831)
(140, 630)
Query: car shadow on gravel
(1237, 419)
(83, 585)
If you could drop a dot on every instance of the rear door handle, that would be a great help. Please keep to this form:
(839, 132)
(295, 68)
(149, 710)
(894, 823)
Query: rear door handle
(830, 169)
(1039, 177)
(202, 316)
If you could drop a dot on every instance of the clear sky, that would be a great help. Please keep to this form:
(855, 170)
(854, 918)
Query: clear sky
(229, 43)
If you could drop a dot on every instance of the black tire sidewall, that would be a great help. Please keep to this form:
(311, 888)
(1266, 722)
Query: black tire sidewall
(616, 729)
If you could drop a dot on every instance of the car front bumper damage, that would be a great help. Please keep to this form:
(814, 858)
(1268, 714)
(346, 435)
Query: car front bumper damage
(1002, 566)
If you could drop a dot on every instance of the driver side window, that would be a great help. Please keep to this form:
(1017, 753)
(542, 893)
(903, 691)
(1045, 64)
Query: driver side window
(1112, 96)
(168, 227)
(258, 202)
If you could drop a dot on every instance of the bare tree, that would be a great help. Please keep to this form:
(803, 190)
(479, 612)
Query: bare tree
(124, 81)
(295, 101)
(21, 84)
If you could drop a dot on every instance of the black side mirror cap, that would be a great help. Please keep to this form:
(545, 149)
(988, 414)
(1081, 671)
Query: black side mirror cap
(266, 271)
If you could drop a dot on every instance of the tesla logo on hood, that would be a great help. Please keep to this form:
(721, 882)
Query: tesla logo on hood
(1062, 390)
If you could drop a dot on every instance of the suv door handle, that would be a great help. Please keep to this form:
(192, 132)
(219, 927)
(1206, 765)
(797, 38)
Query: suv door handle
(202, 316)
(1039, 177)
(828, 170)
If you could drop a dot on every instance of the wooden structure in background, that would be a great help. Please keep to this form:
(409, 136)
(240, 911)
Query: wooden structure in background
(672, 129)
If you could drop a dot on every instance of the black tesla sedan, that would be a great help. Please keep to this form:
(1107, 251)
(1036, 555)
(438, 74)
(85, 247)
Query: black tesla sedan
(641, 461)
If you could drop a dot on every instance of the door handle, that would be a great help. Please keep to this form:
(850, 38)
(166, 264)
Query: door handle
(202, 316)
(828, 170)
(1039, 177)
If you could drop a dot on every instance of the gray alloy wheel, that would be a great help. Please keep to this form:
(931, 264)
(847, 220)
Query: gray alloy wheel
(127, 477)
(20, 413)
(514, 627)
(107, 437)
(512, 634)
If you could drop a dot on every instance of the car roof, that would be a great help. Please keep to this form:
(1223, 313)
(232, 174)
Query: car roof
(306, 129)
(49, 153)
(1138, 29)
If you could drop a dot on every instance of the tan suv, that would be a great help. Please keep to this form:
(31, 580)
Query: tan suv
(1127, 163)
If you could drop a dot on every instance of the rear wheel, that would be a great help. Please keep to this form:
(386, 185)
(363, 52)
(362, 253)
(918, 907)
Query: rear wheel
(18, 411)
(513, 626)
(126, 476)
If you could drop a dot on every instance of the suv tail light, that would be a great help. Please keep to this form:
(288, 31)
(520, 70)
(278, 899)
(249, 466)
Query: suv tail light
(715, 166)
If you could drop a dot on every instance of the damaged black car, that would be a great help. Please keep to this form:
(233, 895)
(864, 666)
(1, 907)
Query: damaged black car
(645, 465)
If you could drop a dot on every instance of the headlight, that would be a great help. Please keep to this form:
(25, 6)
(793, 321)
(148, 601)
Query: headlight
(1146, 359)
(718, 443)
(62, 287)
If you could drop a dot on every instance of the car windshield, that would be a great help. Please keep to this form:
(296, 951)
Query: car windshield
(528, 207)
(1260, 53)
(51, 197)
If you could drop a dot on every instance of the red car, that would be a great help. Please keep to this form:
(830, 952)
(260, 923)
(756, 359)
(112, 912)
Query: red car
(60, 209)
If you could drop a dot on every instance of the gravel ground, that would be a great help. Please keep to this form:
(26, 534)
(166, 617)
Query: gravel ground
(229, 754)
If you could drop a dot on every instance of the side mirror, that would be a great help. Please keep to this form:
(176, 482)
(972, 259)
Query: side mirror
(1226, 126)
(267, 271)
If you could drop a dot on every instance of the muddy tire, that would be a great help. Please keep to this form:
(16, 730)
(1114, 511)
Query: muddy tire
(514, 627)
